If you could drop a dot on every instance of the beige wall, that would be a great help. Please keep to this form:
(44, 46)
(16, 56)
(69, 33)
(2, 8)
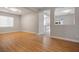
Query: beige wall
(30, 22)
(16, 26)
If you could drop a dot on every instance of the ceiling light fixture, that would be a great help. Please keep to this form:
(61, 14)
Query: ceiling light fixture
(67, 11)
(13, 9)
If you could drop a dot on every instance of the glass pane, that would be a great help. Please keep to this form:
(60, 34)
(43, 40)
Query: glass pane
(6, 21)
(64, 16)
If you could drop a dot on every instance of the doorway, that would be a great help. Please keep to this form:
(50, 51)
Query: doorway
(44, 23)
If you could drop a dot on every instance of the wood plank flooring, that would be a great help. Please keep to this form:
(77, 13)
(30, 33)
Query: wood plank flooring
(28, 42)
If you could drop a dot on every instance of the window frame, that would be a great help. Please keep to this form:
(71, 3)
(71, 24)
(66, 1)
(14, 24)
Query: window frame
(7, 23)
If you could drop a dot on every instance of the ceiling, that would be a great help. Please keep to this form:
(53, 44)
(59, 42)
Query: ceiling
(27, 10)
(64, 11)
(39, 8)
(23, 10)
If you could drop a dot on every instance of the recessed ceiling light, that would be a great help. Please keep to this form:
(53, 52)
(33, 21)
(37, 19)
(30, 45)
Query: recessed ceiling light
(6, 7)
(67, 11)
(13, 9)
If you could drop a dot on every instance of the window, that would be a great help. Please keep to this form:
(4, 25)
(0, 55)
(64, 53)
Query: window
(44, 22)
(64, 16)
(6, 21)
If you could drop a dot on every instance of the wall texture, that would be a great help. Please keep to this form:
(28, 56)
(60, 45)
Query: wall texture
(30, 22)
(16, 26)
(66, 31)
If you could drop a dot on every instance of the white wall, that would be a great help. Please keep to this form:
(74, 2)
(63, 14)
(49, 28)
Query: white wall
(66, 31)
(25, 23)
(30, 22)
(16, 26)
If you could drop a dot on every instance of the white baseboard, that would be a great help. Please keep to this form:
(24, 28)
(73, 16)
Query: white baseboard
(18, 31)
(63, 38)
(30, 32)
(7, 32)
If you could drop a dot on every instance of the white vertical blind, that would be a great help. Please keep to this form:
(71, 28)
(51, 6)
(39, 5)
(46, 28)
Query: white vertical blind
(6, 21)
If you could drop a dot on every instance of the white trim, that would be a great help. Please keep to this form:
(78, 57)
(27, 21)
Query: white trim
(63, 38)
(8, 32)
(30, 32)
(19, 31)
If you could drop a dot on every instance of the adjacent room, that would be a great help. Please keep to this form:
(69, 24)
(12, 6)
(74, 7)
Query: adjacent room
(39, 29)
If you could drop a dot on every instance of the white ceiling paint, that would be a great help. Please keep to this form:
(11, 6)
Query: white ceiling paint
(64, 11)
(27, 10)
(24, 10)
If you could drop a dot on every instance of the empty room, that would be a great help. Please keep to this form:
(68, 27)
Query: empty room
(39, 29)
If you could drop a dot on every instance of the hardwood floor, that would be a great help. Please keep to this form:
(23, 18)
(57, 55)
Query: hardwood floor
(28, 42)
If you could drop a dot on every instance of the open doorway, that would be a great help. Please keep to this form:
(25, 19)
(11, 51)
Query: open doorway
(44, 23)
